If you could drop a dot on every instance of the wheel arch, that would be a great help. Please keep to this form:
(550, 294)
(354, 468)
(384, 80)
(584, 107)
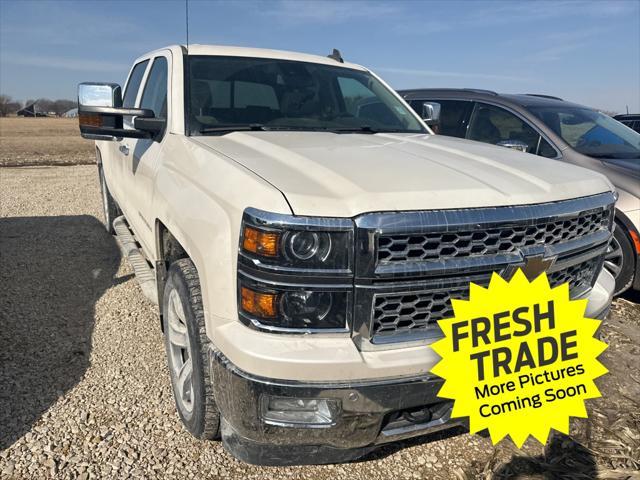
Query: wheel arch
(631, 232)
(630, 229)
(169, 248)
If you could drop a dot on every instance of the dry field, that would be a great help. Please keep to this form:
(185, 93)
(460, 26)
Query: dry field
(43, 141)
(84, 388)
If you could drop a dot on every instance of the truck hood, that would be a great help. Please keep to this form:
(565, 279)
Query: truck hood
(343, 175)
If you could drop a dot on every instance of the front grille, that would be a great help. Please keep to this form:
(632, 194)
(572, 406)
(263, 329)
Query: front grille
(410, 265)
(464, 243)
(402, 313)
(580, 276)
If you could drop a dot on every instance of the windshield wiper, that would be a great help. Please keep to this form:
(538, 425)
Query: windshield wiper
(361, 129)
(258, 127)
(368, 129)
(234, 128)
(254, 127)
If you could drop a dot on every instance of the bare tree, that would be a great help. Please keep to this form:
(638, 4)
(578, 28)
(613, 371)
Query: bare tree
(44, 105)
(61, 106)
(8, 105)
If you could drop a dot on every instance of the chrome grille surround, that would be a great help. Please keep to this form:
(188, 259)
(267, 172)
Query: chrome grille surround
(395, 300)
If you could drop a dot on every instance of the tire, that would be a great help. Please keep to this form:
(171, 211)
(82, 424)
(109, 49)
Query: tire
(187, 347)
(110, 208)
(620, 259)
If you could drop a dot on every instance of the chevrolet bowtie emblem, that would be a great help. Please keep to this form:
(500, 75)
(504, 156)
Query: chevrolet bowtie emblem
(532, 267)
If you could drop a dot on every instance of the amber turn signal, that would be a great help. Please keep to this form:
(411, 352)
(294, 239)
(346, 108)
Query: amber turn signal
(258, 304)
(89, 120)
(260, 242)
(636, 240)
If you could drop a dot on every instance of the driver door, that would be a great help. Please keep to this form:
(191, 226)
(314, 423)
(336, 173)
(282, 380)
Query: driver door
(140, 156)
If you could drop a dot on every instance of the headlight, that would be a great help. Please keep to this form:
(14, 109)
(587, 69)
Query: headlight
(305, 245)
(302, 243)
(296, 309)
(295, 274)
(306, 307)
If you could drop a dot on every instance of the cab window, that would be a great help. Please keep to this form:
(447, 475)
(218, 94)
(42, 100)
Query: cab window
(133, 85)
(454, 115)
(154, 96)
(491, 124)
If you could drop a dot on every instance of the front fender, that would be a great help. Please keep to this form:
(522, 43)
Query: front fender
(200, 196)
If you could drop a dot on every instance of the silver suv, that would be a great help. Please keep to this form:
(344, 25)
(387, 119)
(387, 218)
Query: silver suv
(553, 128)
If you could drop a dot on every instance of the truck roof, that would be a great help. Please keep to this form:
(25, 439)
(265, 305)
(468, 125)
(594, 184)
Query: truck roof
(226, 50)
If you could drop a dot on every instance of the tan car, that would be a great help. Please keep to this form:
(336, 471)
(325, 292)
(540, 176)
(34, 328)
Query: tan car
(303, 231)
(550, 127)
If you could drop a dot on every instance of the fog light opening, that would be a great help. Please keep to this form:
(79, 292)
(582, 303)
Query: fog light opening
(299, 412)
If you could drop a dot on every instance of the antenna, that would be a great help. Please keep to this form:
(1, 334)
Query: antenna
(186, 12)
(185, 56)
(335, 55)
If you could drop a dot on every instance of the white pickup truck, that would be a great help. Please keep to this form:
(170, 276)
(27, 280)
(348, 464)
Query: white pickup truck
(303, 231)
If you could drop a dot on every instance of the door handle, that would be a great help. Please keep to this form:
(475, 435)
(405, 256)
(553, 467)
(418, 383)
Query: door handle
(124, 149)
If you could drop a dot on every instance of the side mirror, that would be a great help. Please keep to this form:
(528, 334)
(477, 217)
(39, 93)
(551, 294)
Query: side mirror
(431, 113)
(100, 114)
(514, 144)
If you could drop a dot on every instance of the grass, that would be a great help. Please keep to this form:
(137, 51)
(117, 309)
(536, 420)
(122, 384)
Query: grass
(43, 141)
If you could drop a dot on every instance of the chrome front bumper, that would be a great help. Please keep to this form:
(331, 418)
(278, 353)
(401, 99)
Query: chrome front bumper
(371, 413)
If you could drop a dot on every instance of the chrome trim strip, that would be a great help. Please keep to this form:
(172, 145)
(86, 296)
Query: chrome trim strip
(256, 325)
(292, 284)
(428, 221)
(280, 220)
(245, 259)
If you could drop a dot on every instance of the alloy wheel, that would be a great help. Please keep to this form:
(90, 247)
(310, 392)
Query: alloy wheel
(614, 258)
(181, 355)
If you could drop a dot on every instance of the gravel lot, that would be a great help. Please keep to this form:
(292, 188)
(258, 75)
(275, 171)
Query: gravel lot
(84, 390)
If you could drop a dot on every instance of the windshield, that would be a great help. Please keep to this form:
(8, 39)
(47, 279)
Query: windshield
(238, 93)
(590, 132)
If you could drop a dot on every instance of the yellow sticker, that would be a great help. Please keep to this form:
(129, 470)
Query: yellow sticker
(519, 358)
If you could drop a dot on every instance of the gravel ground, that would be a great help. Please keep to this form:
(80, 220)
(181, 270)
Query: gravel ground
(84, 389)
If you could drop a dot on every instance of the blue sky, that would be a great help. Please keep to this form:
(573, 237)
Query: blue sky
(584, 51)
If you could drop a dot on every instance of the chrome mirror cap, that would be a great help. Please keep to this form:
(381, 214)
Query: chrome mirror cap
(99, 95)
(514, 145)
(431, 113)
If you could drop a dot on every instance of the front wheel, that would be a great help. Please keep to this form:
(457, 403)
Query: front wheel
(620, 259)
(187, 347)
